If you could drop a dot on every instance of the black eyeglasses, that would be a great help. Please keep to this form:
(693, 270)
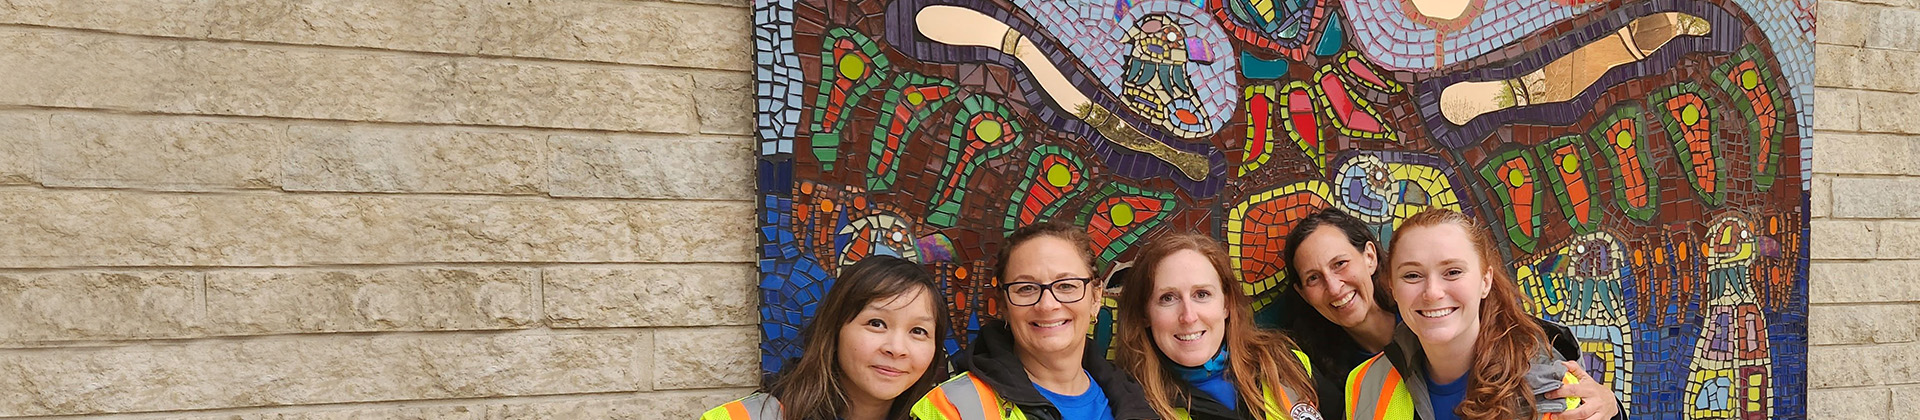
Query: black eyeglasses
(1067, 290)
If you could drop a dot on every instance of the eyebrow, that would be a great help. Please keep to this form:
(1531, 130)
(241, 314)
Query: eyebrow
(1449, 261)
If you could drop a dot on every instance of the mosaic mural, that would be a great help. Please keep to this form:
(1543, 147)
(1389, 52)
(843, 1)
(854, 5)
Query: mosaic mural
(1643, 163)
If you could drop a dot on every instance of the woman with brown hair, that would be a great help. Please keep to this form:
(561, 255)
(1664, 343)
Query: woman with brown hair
(1336, 313)
(1037, 363)
(1466, 348)
(1187, 333)
(873, 348)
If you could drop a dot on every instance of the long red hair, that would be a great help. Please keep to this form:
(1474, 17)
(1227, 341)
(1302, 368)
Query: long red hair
(1259, 356)
(1509, 338)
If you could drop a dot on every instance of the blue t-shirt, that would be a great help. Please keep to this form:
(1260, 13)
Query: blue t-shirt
(1221, 389)
(1446, 397)
(1089, 405)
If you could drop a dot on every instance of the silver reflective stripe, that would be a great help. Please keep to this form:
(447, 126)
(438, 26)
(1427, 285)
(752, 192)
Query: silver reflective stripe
(965, 397)
(1373, 382)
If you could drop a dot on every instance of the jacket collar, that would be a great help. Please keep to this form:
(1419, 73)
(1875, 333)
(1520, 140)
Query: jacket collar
(994, 359)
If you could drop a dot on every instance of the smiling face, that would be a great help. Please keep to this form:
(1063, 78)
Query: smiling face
(887, 347)
(1335, 277)
(1439, 280)
(1048, 328)
(1187, 310)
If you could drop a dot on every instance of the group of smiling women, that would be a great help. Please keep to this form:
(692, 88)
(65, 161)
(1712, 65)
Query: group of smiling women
(1433, 331)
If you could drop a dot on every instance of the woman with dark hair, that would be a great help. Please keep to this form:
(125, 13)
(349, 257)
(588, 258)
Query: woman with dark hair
(1336, 313)
(873, 348)
(1187, 333)
(1037, 363)
(1467, 349)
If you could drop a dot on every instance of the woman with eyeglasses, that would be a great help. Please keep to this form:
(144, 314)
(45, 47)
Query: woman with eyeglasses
(873, 348)
(1037, 363)
(1186, 331)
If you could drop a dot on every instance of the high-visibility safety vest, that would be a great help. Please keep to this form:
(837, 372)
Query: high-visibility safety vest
(1295, 411)
(1283, 408)
(965, 398)
(1377, 391)
(758, 406)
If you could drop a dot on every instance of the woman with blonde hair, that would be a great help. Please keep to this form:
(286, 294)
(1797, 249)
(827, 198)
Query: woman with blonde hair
(1187, 333)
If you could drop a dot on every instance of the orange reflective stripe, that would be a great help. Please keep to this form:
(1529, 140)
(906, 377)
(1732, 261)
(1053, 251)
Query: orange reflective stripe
(989, 403)
(737, 410)
(1353, 389)
(940, 403)
(1386, 396)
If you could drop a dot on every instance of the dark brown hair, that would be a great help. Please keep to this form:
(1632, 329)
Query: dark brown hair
(1045, 228)
(1259, 356)
(811, 389)
(1508, 337)
(1320, 336)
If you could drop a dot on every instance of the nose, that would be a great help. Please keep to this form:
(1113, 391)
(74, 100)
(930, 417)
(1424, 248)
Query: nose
(895, 345)
(1432, 290)
(1187, 314)
(1048, 301)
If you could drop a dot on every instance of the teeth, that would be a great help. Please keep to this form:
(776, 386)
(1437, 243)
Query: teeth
(1051, 324)
(1437, 312)
(1347, 300)
(1189, 337)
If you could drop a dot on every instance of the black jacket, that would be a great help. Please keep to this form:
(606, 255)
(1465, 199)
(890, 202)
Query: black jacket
(994, 359)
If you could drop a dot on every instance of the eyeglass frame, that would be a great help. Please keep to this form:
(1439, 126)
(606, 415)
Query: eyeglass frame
(1047, 288)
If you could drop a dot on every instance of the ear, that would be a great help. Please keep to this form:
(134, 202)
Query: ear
(1486, 283)
(1372, 255)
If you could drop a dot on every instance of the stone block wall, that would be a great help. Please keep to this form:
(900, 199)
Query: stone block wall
(433, 209)
(1864, 321)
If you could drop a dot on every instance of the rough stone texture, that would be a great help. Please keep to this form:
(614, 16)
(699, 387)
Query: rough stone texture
(1869, 198)
(1865, 293)
(367, 209)
(20, 137)
(725, 102)
(66, 69)
(636, 32)
(1845, 239)
(1821, 202)
(41, 308)
(250, 302)
(1868, 154)
(1889, 112)
(315, 371)
(118, 228)
(1860, 404)
(367, 159)
(706, 357)
(1852, 366)
(651, 296)
(1838, 109)
(626, 32)
(1864, 282)
(108, 150)
(656, 405)
(615, 167)
(1863, 324)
